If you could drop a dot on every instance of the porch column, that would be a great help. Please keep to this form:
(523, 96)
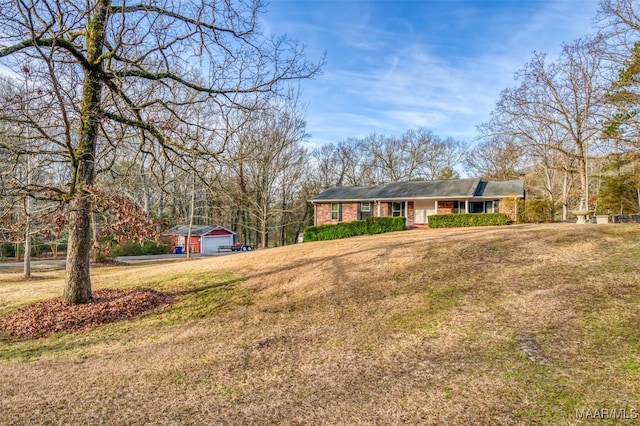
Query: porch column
(379, 208)
(406, 214)
(315, 214)
(436, 203)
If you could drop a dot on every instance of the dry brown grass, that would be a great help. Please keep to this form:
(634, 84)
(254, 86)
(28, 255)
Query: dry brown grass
(416, 327)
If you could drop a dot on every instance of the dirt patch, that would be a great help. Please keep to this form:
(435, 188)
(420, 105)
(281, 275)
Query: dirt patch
(54, 316)
(531, 348)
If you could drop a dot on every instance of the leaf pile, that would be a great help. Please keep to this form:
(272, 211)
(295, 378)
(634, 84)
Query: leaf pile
(55, 316)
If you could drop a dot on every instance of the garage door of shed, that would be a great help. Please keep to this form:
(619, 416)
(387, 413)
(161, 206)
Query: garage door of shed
(211, 244)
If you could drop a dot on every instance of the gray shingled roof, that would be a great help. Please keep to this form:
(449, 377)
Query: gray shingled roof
(503, 188)
(450, 188)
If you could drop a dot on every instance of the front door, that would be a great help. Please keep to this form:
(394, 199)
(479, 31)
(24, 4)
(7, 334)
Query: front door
(423, 208)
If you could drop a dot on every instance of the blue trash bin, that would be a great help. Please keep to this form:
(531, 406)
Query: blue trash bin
(178, 250)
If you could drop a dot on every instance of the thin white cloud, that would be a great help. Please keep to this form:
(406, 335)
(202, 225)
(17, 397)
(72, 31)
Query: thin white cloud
(414, 71)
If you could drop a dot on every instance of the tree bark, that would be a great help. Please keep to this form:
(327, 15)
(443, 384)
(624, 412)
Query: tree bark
(192, 208)
(27, 245)
(97, 256)
(78, 280)
(77, 287)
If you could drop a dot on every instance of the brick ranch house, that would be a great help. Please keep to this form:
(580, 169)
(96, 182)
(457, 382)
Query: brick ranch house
(417, 200)
(204, 238)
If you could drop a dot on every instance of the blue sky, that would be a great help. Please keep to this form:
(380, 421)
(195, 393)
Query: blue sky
(396, 65)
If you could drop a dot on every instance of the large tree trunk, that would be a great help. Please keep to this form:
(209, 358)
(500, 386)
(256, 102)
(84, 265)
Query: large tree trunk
(77, 287)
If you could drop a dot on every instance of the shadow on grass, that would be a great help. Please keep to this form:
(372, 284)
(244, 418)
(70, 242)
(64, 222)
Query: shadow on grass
(208, 296)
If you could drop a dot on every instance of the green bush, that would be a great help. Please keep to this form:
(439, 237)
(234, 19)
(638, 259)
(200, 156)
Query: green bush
(133, 248)
(8, 250)
(469, 219)
(378, 225)
(151, 247)
(372, 225)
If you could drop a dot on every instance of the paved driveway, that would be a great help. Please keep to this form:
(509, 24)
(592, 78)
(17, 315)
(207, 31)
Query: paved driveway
(57, 262)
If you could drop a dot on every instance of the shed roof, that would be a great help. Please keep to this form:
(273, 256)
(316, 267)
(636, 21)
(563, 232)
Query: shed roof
(449, 188)
(196, 230)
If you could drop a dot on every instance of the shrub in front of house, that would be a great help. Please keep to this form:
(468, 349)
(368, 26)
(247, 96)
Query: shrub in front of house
(469, 219)
(372, 225)
(378, 225)
(334, 232)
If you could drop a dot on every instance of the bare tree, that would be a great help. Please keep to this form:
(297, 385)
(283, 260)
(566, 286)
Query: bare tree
(376, 159)
(26, 173)
(266, 164)
(558, 106)
(441, 157)
(620, 31)
(496, 157)
(138, 65)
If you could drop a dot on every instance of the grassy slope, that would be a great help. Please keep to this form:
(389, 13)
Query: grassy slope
(410, 327)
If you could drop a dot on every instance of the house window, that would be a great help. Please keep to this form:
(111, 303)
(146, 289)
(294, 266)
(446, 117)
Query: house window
(488, 207)
(335, 211)
(476, 206)
(459, 207)
(397, 208)
(364, 211)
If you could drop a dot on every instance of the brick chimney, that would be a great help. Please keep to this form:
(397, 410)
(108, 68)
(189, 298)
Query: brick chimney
(523, 178)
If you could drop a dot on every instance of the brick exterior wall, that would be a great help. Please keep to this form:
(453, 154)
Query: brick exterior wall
(445, 207)
(323, 213)
(508, 207)
(384, 210)
(350, 210)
